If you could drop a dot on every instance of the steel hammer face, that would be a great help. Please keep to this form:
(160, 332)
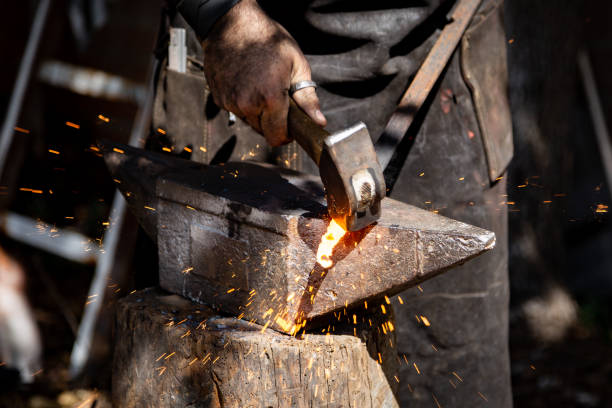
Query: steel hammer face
(352, 177)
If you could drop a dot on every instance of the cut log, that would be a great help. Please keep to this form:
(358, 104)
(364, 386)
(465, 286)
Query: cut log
(171, 352)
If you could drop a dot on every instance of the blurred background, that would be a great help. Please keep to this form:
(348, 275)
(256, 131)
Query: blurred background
(79, 70)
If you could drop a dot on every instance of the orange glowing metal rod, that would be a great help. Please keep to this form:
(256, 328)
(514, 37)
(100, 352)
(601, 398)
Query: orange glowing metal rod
(330, 239)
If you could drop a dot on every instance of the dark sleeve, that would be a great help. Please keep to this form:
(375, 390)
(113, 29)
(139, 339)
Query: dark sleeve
(202, 14)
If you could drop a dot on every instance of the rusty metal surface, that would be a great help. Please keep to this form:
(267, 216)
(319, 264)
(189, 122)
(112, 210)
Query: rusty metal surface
(243, 238)
(425, 79)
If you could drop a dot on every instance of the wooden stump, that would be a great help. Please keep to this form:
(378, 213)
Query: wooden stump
(171, 352)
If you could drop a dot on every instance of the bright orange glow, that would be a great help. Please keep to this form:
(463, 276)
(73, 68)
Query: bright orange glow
(330, 239)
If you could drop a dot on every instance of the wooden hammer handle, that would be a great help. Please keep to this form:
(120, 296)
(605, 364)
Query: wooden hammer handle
(306, 132)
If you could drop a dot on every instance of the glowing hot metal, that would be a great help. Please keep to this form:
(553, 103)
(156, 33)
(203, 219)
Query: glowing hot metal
(330, 239)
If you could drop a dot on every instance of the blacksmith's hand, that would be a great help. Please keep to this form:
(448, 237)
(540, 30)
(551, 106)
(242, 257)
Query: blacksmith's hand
(250, 61)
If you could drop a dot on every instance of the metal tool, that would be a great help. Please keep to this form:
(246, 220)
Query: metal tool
(243, 238)
(348, 166)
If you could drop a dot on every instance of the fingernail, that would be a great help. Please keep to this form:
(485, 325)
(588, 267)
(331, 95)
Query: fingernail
(319, 116)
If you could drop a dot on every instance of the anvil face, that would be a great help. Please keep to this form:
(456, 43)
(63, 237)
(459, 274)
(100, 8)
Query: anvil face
(243, 238)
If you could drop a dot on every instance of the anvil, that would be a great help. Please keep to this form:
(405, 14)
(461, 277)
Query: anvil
(242, 238)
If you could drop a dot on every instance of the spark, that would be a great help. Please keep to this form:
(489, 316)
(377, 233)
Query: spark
(193, 361)
(532, 367)
(115, 149)
(54, 151)
(330, 239)
(161, 370)
(383, 309)
(187, 270)
(149, 208)
(425, 321)
(161, 131)
(461, 178)
(166, 149)
(416, 368)
(170, 355)
(188, 150)
(601, 208)
(387, 300)
(30, 190)
(457, 376)
(73, 125)
(436, 400)
(190, 207)
(103, 118)
(21, 130)
(231, 290)
(400, 300)
(202, 148)
(482, 396)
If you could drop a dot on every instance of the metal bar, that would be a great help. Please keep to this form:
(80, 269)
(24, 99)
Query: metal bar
(597, 114)
(106, 262)
(21, 84)
(424, 81)
(67, 244)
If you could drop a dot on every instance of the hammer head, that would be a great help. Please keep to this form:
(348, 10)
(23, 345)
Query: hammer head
(353, 178)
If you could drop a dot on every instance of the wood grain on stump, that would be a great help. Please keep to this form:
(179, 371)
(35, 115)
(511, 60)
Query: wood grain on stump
(171, 352)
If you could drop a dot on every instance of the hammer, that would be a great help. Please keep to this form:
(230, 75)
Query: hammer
(350, 172)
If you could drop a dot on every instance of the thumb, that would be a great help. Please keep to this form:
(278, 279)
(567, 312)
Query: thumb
(307, 100)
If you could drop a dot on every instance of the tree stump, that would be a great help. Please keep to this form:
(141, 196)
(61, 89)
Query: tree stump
(171, 352)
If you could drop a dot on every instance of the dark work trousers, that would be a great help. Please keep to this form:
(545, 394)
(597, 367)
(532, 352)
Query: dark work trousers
(452, 331)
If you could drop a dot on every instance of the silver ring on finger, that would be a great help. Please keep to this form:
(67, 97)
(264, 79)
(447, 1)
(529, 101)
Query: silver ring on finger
(301, 85)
